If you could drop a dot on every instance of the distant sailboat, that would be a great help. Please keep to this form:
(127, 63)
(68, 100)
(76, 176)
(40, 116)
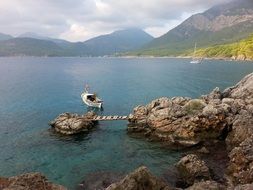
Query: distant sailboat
(195, 60)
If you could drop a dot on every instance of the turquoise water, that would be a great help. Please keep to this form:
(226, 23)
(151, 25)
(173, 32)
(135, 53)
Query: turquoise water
(34, 91)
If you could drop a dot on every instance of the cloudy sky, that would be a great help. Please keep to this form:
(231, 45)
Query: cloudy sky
(79, 20)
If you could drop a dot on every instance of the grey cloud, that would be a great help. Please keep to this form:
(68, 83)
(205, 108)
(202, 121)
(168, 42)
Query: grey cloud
(81, 19)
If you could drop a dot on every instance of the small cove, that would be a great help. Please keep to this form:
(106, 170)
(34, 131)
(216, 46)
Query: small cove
(34, 91)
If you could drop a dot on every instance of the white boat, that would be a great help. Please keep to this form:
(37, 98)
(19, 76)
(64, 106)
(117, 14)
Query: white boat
(91, 99)
(196, 60)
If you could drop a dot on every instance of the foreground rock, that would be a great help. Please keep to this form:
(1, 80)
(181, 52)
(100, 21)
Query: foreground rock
(186, 122)
(29, 181)
(206, 185)
(140, 179)
(69, 124)
(226, 115)
(99, 180)
(192, 169)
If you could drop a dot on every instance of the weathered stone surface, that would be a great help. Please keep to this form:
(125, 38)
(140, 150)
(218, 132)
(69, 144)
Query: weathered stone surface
(29, 181)
(192, 169)
(69, 124)
(186, 122)
(99, 180)
(218, 115)
(206, 185)
(140, 179)
(179, 121)
(240, 167)
(244, 187)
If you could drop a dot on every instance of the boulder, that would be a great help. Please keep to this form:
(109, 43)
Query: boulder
(69, 124)
(244, 187)
(192, 169)
(187, 122)
(179, 121)
(240, 168)
(140, 179)
(99, 180)
(206, 185)
(28, 181)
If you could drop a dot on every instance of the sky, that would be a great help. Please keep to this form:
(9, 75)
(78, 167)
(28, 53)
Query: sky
(79, 20)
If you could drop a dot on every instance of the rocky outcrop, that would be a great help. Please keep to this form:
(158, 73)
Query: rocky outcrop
(181, 121)
(185, 121)
(192, 169)
(140, 179)
(99, 180)
(206, 185)
(69, 124)
(29, 181)
(226, 115)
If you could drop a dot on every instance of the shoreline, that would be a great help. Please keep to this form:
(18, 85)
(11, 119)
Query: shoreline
(135, 57)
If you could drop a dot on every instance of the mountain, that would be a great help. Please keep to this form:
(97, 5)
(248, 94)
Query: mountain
(31, 44)
(59, 42)
(220, 24)
(242, 50)
(29, 47)
(5, 36)
(116, 42)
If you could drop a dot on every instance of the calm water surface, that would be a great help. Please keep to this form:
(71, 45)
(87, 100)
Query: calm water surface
(34, 91)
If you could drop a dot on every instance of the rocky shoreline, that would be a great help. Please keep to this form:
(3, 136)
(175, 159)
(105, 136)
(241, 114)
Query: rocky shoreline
(215, 130)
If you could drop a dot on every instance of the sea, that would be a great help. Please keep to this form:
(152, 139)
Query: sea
(33, 91)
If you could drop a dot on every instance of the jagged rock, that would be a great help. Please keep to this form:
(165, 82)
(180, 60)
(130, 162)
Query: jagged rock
(99, 180)
(179, 121)
(69, 124)
(240, 167)
(186, 122)
(204, 150)
(140, 179)
(29, 181)
(242, 90)
(244, 187)
(206, 185)
(192, 169)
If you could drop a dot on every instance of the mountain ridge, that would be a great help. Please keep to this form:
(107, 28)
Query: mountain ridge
(233, 19)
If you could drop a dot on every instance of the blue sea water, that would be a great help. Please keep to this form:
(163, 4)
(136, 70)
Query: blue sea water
(34, 91)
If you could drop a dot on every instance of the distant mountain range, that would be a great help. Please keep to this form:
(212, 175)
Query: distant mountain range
(221, 24)
(30, 44)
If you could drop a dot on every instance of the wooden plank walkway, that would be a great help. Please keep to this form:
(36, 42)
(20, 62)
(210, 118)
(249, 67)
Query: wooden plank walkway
(109, 118)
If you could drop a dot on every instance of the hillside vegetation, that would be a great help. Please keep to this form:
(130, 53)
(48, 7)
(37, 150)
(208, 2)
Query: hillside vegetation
(243, 50)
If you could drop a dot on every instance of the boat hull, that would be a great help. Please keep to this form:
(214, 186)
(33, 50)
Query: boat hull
(90, 103)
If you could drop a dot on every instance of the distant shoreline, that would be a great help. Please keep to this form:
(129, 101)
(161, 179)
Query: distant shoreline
(130, 57)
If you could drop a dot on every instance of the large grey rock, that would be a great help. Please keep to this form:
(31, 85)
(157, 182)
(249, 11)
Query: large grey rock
(140, 179)
(192, 169)
(206, 185)
(28, 181)
(69, 124)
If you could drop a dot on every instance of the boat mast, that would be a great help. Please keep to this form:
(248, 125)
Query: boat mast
(195, 49)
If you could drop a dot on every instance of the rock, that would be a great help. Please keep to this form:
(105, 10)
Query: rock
(226, 115)
(69, 124)
(4, 182)
(206, 185)
(29, 181)
(240, 167)
(242, 90)
(242, 128)
(203, 150)
(192, 169)
(99, 180)
(140, 179)
(244, 187)
(179, 121)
